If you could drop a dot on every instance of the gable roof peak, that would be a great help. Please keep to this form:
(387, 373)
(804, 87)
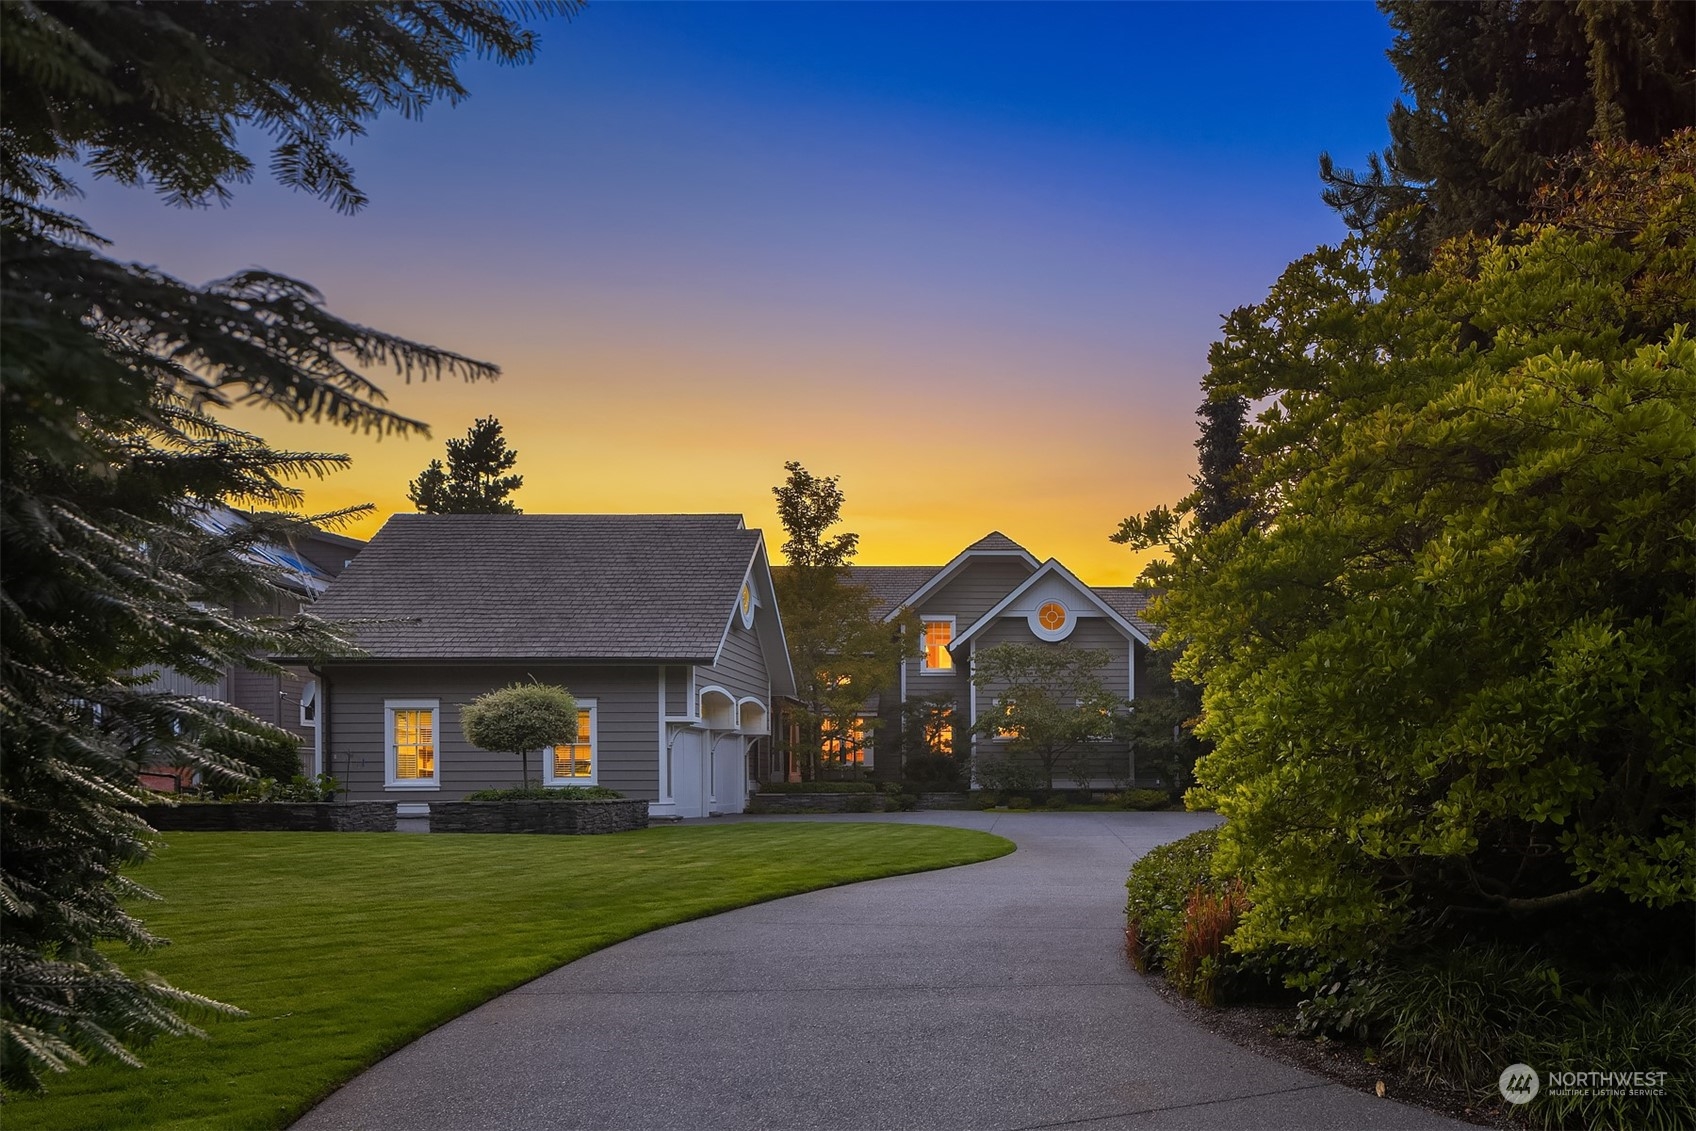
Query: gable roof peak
(995, 541)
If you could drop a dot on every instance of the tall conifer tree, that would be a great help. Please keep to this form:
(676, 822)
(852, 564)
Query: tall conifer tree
(474, 481)
(109, 453)
(1498, 92)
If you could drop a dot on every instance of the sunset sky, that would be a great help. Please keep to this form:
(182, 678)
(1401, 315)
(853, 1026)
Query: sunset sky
(969, 258)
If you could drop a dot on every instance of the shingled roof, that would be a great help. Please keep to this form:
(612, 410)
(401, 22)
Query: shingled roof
(890, 585)
(545, 586)
(1129, 602)
(995, 541)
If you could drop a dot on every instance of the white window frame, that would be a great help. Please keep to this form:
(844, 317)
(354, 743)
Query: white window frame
(309, 705)
(924, 645)
(549, 780)
(390, 706)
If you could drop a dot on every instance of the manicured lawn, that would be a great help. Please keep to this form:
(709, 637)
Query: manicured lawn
(343, 947)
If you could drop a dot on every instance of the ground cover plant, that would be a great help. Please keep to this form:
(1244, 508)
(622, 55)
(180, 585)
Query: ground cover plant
(341, 948)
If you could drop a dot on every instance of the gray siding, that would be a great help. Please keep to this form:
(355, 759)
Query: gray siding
(171, 681)
(331, 557)
(677, 691)
(977, 588)
(741, 666)
(1091, 632)
(627, 717)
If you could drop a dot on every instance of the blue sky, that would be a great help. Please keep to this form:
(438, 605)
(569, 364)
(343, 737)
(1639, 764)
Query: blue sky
(968, 257)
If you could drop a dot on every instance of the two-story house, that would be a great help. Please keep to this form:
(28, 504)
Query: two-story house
(996, 592)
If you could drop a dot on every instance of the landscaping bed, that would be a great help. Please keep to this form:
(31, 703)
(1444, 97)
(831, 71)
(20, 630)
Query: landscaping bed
(1434, 1018)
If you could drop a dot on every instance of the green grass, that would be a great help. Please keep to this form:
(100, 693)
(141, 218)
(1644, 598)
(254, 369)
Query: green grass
(344, 947)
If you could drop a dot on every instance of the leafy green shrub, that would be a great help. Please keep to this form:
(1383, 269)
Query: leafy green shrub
(818, 787)
(556, 793)
(899, 797)
(1057, 801)
(937, 772)
(1018, 801)
(982, 799)
(267, 751)
(1010, 773)
(1144, 800)
(1158, 891)
(297, 789)
(860, 803)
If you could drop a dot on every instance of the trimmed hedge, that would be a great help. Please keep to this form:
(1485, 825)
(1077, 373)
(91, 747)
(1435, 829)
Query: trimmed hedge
(818, 787)
(556, 793)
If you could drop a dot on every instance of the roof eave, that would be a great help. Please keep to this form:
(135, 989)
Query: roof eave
(1052, 565)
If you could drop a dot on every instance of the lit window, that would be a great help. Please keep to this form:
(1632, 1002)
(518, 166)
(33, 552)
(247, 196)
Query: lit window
(573, 763)
(856, 751)
(939, 633)
(411, 760)
(1052, 616)
(1003, 708)
(942, 732)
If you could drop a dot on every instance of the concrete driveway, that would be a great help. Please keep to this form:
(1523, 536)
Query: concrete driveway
(994, 997)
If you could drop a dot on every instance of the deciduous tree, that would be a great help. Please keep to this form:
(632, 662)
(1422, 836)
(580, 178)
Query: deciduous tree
(1049, 700)
(1449, 676)
(109, 450)
(842, 652)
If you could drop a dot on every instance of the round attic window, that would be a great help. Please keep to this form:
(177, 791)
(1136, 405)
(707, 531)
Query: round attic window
(1052, 621)
(747, 605)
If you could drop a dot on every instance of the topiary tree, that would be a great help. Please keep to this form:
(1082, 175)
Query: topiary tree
(519, 719)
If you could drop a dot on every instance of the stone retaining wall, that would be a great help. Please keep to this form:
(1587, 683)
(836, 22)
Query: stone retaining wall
(567, 817)
(816, 803)
(273, 817)
(945, 801)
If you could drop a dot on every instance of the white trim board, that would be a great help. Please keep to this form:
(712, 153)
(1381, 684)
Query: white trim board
(942, 576)
(392, 782)
(1050, 568)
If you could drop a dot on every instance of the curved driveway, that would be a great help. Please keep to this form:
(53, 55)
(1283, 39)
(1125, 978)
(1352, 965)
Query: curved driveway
(991, 997)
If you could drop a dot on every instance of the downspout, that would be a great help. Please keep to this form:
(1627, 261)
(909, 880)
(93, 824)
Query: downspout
(320, 733)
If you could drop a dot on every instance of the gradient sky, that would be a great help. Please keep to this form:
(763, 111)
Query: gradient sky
(969, 258)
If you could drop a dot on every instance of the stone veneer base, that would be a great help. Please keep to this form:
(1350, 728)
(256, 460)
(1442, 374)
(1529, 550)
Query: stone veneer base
(816, 803)
(579, 818)
(272, 817)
